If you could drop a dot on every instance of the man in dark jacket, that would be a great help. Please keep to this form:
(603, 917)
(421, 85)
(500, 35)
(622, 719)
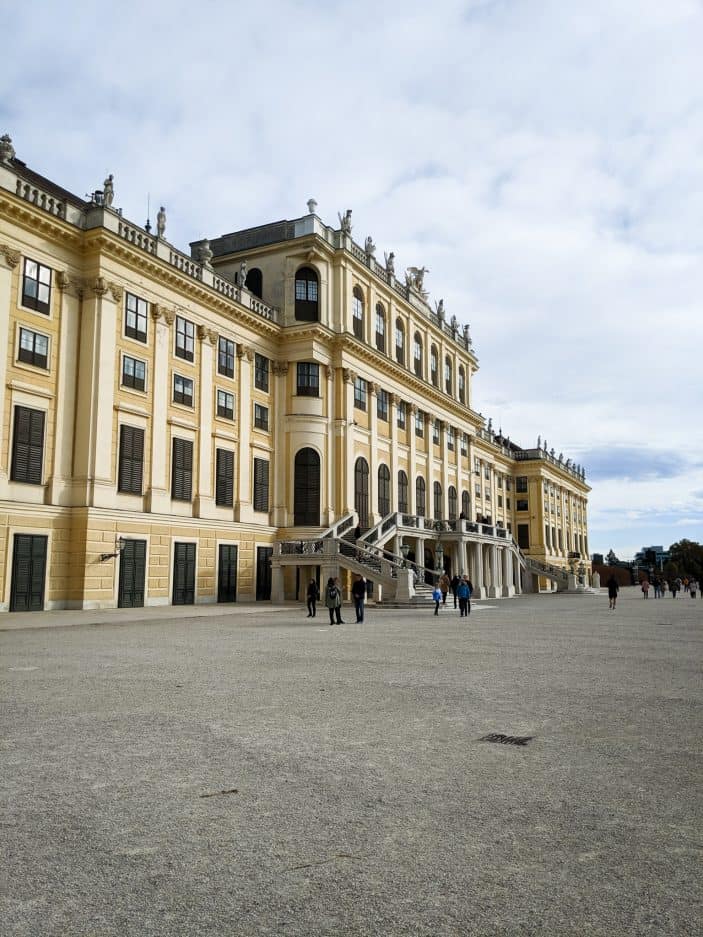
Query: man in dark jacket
(359, 595)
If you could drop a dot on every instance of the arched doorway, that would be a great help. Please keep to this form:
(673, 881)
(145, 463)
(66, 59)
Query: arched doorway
(306, 494)
(361, 491)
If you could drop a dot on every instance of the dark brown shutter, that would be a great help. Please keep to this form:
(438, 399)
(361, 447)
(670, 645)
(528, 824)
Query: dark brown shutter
(27, 446)
(131, 464)
(224, 478)
(182, 470)
(261, 485)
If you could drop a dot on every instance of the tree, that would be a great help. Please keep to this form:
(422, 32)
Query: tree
(611, 559)
(688, 556)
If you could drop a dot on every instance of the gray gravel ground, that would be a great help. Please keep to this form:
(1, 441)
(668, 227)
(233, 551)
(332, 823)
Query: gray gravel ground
(362, 801)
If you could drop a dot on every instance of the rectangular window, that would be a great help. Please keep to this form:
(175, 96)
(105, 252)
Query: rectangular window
(34, 348)
(382, 405)
(185, 339)
(27, 446)
(477, 466)
(261, 416)
(307, 379)
(500, 501)
(261, 372)
(135, 317)
(225, 404)
(36, 286)
(399, 345)
(487, 472)
(523, 536)
(435, 432)
(261, 485)
(507, 503)
(225, 356)
(508, 484)
(402, 414)
(224, 478)
(522, 504)
(380, 330)
(419, 423)
(477, 489)
(133, 373)
(450, 438)
(521, 484)
(182, 390)
(500, 481)
(182, 470)
(464, 444)
(131, 460)
(360, 393)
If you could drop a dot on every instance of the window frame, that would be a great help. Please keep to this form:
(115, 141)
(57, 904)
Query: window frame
(181, 397)
(140, 312)
(224, 478)
(261, 485)
(361, 393)
(32, 357)
(133, 383)
(26, 443)
(222, 399)
(33, 302)
(261, 417)
(307, 379)
(382, 405)
(226, 369)
(130, 462)
(400, 345)
(358, 313)
(184, 347)
(181, 469)
(261, 372)
(380, 333)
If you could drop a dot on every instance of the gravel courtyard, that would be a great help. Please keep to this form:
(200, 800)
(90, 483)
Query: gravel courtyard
(249, 771)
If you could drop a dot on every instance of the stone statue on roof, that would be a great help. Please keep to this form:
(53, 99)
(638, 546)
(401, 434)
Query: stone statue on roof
(108, 191)
(345, 221)
(7, 150)
(390, 263)
(369, 246)
(415, 278)
(440, 310)
(161, 222)
(242, 274)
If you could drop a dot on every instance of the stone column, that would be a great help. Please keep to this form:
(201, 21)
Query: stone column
(374, 515)
(479, 585)
(329, 467)
(412, 457)
(159, 495)
(393, 434)
(243, 510)
(445, 468)
(60, 484)
(349, 377)
(280, 516)
(9, 259)
(494, 587)
(507, 588)
(94, 462)
(205, 500)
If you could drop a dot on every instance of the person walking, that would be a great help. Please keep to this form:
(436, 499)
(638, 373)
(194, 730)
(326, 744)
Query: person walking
(313, 596)
(454, 585)
(693, 588)
(338, 607)
(463, 594)
(444, 587)
(436, 598)
(645, 588)
(613, 589)
(359, 596)
(333, 600)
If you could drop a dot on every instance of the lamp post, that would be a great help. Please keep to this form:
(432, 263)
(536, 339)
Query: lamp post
(405, 550)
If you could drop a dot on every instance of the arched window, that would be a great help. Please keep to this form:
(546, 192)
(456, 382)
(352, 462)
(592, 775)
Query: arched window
(307, 306)
(255, 282)
(448, 376)
(358, 313)
(402, 492)
(384, 490)
(452, 499)
(380, 328)
(437, 488)
(361, 491)
(462, 384)
(434, 366)
(420, 496)
(417, 354)
(306, 488)
(399, 342)
(466, 505)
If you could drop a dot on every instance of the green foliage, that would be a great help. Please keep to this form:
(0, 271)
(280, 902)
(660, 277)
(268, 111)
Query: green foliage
(687, 555)
(671, 571)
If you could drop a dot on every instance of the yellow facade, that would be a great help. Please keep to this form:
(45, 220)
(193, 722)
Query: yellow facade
(139, 344)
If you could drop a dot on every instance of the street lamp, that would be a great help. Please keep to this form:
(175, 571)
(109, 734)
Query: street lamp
(405, 550)
(439, 556)
(120, 544)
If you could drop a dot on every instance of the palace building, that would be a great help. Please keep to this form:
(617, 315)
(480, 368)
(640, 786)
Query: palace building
(223, 425)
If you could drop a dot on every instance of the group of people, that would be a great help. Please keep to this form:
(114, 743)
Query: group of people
(333, 599)
(461, 589)
(660, 587)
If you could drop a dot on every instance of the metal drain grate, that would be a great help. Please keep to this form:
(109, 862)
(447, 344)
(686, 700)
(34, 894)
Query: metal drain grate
(506, 739)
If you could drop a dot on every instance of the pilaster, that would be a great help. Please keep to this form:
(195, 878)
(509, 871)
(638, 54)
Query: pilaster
(9, 259)
(280, 517)
(348, 377)
(412, 456)
(205, 501)
(374, 515)
(393, 433)
(243, 510)
(159, 494)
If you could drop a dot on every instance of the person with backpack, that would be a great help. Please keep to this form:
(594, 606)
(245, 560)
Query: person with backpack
(436, 598)
(464, 590)
(313, 595)
(333, 601)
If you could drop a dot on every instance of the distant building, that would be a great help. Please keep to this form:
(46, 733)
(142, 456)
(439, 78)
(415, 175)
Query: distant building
(655, 556)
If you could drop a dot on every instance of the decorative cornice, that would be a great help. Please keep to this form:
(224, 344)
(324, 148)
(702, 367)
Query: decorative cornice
(244, 351)
(158, 311)
(207, 334)
(116, 291)
(99, 286)
(12, 257)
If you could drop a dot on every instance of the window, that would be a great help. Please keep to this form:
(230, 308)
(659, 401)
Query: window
(224, 478)
(185, 339)
(507, 503)
(261, 485)
(487, 472)
(521, 504)
(402, 492)
(462, 384)
(419, 423)
(464, 444)
(499, 479)
(436, 432)
(225, 357)
(306, 295)
(358, 313)
(399, 342)
(523, 536)
(131, 460)
(465, 504)
(382, 405)
(417, 355)
(261, 416)
(434, 367)
(402, 414)
(27, 446)
(34, 348)
(477, 466)
(477, 489)
(450, 438)
(135, 317)
(308, 379)
(420, 496)
(508, 484)
(452, 499)
(182, 390)
(384, 490)
(36, 286)
(133, 373)
(521, 483)
(360, 393)
(261, 372)
(255, 282)
(225, 404)
(380, 328)
(448, 376)
(182, 470)
(500, 501)
(437, 491)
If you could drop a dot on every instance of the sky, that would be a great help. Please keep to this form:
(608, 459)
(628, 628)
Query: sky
(542, 158)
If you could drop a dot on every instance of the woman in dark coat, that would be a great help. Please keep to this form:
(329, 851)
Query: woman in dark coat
(613, 589)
